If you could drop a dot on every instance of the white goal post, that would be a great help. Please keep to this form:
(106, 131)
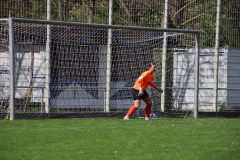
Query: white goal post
(150, 36)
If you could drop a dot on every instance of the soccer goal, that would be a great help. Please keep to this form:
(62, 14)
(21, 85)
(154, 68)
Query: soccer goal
(61, 69)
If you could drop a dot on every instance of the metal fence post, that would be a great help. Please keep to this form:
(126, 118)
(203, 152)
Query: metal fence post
(196, 88)
(48, 66)
(163, 85)
(216, 58)
(109, 52)
(12, 69)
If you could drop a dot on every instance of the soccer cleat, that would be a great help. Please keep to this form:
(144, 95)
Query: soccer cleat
(146, 118)
(126, 118)
(153, 116)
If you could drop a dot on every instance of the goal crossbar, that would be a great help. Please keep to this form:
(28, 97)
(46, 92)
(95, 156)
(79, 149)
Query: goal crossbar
(23, 20)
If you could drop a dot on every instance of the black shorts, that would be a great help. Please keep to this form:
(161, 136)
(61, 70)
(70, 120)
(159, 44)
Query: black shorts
(135, 94)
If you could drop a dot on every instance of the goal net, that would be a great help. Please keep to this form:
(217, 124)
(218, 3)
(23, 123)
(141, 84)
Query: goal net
(82, 71)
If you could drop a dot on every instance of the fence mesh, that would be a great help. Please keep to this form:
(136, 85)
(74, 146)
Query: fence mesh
(4, 70)
(185, 14)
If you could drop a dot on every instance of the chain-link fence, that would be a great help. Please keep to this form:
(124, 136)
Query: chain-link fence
(182, 14)
(186, 14)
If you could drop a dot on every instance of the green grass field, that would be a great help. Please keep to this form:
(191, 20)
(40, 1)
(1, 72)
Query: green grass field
(108, 139)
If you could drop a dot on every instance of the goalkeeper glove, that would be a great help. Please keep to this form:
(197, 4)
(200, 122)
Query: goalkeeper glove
(159, 90)
(140, 92)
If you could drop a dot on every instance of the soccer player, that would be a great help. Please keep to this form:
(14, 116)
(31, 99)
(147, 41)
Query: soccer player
(139, 91)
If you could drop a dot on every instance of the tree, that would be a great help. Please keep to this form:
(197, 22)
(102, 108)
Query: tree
(23, 8)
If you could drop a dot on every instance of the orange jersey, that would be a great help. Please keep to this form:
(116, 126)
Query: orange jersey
(144, 81)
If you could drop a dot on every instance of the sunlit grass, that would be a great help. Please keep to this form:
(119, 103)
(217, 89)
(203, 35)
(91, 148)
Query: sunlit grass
(164, 138)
